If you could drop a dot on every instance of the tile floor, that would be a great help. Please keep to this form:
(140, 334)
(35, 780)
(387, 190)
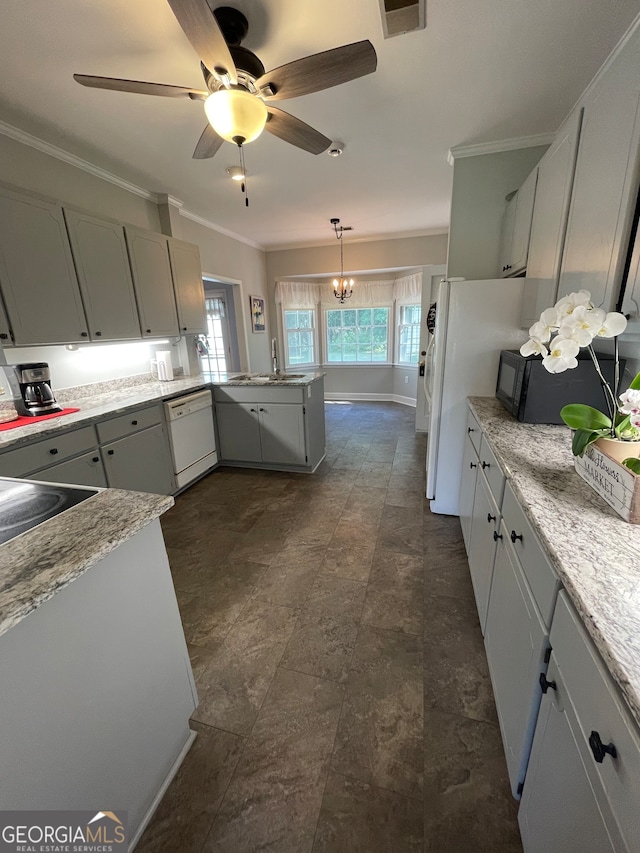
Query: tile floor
(345, 703)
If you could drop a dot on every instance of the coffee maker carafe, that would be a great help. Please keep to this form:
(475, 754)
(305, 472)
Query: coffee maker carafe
(33, 395)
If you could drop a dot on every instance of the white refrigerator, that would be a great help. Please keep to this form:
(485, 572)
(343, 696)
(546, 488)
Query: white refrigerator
(474, 321)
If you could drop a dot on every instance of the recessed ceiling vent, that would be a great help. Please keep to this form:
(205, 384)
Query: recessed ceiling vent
(402, 16)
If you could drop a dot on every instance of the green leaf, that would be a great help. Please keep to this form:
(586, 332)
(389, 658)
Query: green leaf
(582, 417)
(633, 464)
(635, 385)
(582, 438)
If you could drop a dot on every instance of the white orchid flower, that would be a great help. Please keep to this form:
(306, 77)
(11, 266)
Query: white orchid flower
(548, 323)
(533, 347)
(568, 304)
(613, 324)
(630, 405)
(562, 355)
(582, 325)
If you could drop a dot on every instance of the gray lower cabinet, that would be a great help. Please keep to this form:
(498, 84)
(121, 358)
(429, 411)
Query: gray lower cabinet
(270, 433)
(85, 470)
(140, 462)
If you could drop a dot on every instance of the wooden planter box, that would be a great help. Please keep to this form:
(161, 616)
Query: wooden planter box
(617, 485)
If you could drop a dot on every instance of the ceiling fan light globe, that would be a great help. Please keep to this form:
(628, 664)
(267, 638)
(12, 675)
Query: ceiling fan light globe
(236, 114)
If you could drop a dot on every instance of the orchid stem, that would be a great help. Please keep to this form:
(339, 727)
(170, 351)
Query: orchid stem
(611, 400)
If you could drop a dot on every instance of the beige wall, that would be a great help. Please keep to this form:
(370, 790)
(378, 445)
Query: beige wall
(480, 185)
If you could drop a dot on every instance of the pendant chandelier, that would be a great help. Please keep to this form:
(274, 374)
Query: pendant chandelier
(342, 287)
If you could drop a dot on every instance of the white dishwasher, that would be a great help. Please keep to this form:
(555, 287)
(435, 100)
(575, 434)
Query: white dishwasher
(193, 442)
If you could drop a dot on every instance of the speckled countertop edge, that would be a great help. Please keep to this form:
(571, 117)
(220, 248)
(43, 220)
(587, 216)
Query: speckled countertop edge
(595, 553)
(39, 563)
(123, 398)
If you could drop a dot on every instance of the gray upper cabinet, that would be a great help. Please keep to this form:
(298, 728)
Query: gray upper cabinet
(605, 184)
(37, 275)
(5, 330)
(549, 225)
(514, 246)
(152, 280)
(102, 264)
(187, 281)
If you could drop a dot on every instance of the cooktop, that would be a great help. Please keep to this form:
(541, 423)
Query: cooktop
(24, 505)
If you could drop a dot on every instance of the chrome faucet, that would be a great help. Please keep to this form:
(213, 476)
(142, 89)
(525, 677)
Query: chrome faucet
(274, 356)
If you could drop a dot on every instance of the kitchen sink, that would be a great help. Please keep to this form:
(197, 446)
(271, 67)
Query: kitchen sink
(278, 377)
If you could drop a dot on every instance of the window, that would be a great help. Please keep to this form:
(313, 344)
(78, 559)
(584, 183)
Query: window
(357, 335)
(409, 334)
(217, 335)
(299, 328)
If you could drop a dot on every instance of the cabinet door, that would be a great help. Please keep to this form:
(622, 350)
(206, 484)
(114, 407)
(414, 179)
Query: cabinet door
(482, 547)
(140, 462)
(187, 281)
(468, 488)
(506, 235)
(6, 338)
(522, 223)
(282, 434)
(102, 264)
(37, 275)
(559, 810)
(85, 470)
(604, 190)
(551, 208)
(238, 432)
(516, 641)
(152, 280)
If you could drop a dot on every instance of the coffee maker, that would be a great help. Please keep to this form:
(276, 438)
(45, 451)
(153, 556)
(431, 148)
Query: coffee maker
(31, 386)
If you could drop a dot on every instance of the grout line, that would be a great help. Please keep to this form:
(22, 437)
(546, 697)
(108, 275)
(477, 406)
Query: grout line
(379, 787)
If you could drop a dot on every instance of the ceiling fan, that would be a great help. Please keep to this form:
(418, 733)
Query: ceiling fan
(239, 92)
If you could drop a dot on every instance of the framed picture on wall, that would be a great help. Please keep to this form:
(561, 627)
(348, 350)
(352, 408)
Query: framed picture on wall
(257, 314)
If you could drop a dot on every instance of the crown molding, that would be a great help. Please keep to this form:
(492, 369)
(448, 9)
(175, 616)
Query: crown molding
(188, 214)
(498, 147)
(73, 160)
(372, 238)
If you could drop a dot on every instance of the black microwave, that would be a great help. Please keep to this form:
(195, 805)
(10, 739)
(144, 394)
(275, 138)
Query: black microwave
(533, 395)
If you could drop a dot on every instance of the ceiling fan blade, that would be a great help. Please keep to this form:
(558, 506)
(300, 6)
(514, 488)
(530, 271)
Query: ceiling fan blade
(139, 87)
(201, 28)
(208, 144)
(319, 71)
(293, 130)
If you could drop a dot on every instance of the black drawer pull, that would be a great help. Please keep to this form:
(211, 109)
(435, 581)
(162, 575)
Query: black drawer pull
(600, 749)
(515, 536)
(148, 331)
(53, 451)
(490, 517)
(134, 423)
(84, 334)
(545, 685)
(110, 452)
(252, 410)
(473, 465)
(184, 328)
(4, 336)
(262, 410)
(470, 429)
(485, 465)
(95, 458)
(98, 334)
(496, 535)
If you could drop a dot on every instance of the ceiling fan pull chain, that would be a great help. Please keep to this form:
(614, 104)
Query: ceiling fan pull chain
(243, 186)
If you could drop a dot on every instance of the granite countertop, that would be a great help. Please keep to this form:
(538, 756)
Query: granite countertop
(264, 379)
(594, 551)
(37, 564)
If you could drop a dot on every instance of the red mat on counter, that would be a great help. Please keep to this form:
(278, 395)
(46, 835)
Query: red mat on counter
(22, 420)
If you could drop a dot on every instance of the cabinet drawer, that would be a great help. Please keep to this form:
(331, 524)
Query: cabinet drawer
(492, 471)
(41, 454)
(133, 421)
(473, 430)
(258, 394)
(600, 708)
(84, 470)
(539, 573)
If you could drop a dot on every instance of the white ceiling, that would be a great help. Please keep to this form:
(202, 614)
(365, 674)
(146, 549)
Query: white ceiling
(482, 71)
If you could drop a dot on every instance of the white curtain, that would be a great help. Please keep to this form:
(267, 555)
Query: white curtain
(408, 288)
(364, 293)
(298, 294)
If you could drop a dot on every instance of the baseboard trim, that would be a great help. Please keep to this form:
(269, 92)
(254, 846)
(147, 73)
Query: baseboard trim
(162, 790)
(358, 396)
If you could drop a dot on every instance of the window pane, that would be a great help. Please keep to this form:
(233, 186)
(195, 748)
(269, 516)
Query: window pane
(299, 336)
(364, 317)
(348, 317)
(291, 319)
(334, 318)
(380, 316)
(360, 335)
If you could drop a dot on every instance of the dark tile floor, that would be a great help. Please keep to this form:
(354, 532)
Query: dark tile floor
(345, 703)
